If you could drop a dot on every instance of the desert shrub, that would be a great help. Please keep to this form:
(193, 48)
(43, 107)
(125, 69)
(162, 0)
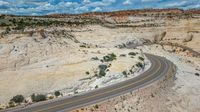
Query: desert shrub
(94, 58)
(122, 55)
(124, 73)
(102, 73)
(107, 70)
(103, 67)
(139, 64)
(17, 99)
(132, 53)
(197, 74)
(38, 98)
(96, 106)
(20, 27)
(4, 24)
(102, 70)
(131, 71)
(109, 57)
(184, 49)
(141, 58)
(96, 86)
(57, 93)
(87, 73)
(83, 46)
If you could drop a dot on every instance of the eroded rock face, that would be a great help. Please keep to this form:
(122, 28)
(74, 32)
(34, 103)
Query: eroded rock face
(45, 60)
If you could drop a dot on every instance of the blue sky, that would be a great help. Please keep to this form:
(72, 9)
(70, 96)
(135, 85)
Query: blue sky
(43, 7)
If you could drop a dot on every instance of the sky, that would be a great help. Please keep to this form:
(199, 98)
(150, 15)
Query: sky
(44, 7)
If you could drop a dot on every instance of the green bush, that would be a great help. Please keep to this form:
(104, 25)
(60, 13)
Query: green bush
(124, 73)
(132, 53)
(102, 70)
(87, 73)
(57, 93)
(38, 98)
(17, 99)
(102, 73)
(109, 57)
(83, 46)
(139, 64)
(103, 67)
(131, 71)
(197, 74)
(122, 55)
(96, 106)
(141, 58)
(94, 58)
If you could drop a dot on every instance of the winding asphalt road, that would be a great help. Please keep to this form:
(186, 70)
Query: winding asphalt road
(159, 68)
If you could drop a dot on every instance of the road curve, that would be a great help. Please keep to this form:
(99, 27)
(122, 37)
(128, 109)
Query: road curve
(159, 68)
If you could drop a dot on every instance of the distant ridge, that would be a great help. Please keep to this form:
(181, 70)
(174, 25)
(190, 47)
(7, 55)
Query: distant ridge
(121, 13)
(129, 12)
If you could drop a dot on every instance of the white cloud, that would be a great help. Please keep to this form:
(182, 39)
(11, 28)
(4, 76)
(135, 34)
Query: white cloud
(100, 3)
(67, 4)
(110, 1)
(196, 6)
(97, 9)
(86, 1)
(150, 0)
(3, 3)
(127, 2)
(81, 9)
(176, 4)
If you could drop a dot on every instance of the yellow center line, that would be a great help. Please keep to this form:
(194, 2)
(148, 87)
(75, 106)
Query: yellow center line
(103, 92)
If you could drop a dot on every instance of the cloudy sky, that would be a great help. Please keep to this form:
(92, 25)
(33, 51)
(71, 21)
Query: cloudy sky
(42, 7)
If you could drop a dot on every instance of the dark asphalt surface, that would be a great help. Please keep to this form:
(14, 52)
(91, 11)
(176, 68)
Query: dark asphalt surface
(159, 68)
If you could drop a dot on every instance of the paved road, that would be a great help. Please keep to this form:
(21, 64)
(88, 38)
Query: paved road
(160, 67)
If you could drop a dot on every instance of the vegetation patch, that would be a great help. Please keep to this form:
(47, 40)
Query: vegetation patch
(125, 73)
(87, 73)
(102, 70)
(141, 58)
(94, 58)
(18, 99)
(122, 55)
(109, 57)
(38, 98)
(197, 74)
(132, 53)
(57, 93)
(140, 65)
